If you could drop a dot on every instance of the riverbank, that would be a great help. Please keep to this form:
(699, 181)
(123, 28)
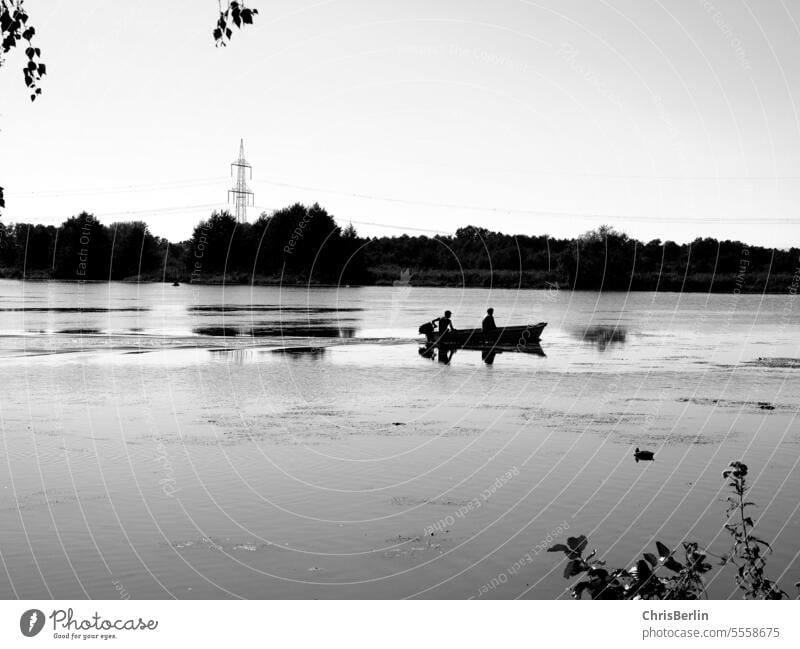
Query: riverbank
(757, 284)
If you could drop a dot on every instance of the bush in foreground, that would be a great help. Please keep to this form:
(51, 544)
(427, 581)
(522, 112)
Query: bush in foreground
(664, 576)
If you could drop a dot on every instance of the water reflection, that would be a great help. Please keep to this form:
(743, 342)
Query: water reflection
(278, 331)
(243, 355)
(602, 335)
(306, 352)
(255, 308)
(72, 309)
(444, 353)
(303, 331)
(216, 331)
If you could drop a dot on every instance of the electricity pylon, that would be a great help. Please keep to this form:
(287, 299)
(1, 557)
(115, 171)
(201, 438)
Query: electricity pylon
(241, 192)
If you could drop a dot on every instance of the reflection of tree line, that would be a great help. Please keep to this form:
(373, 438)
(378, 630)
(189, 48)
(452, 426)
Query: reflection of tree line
(602, 335)
(300, 243)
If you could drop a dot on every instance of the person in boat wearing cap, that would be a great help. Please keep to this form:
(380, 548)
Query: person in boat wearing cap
(445, 323)
(488, 322)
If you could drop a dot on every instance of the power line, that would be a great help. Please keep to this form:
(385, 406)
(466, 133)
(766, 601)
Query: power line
(421, 203)
(214, 181)
(525, 211)
(120, 189)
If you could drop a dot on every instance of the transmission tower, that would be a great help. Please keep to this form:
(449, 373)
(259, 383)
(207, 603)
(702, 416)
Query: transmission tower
(241, 192)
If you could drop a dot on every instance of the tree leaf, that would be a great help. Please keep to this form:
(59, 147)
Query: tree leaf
(559, 547)
(577, 544)
(663, 550)
(643, 571)
(574, 567)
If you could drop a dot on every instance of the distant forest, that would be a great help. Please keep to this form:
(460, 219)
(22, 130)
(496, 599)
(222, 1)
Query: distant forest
(301, 244)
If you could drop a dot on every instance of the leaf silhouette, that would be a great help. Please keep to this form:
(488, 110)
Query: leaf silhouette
(559, 547)
(572, 568)
(577, 544)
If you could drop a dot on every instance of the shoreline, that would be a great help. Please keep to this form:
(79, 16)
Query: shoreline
(292, 282)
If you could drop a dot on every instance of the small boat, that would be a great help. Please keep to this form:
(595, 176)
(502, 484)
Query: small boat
(515, 336)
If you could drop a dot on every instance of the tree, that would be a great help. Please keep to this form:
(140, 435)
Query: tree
(134, 249)
(472, 233)
(212, 243)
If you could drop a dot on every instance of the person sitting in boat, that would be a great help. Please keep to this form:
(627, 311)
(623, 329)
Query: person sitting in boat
(445, 323)
(488, 322)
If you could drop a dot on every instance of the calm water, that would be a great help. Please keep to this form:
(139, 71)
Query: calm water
(200, 441)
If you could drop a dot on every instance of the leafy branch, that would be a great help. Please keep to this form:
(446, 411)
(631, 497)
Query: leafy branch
(234, 13)
(748, 551)
(682, 580)
(14, 28)
(642, 581)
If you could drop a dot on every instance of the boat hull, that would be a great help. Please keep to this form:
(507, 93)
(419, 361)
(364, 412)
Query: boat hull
(517, 336)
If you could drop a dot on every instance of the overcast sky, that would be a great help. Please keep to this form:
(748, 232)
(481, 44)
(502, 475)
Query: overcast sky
(669, 120)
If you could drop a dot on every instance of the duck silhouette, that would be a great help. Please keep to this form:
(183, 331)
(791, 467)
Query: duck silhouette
(645, 456)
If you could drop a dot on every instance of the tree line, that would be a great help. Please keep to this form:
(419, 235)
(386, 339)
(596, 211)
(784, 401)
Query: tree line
(304, 244)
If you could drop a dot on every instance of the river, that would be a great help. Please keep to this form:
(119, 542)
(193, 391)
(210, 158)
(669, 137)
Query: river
(197, 441)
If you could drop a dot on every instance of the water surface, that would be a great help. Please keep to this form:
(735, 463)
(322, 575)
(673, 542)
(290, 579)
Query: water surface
(237, 441)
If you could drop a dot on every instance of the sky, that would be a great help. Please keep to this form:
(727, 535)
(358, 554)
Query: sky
(669, 120)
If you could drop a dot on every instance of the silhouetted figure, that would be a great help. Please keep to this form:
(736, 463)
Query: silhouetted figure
(645, 456)
(488, 322)
(488, 356)
(445, 323)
